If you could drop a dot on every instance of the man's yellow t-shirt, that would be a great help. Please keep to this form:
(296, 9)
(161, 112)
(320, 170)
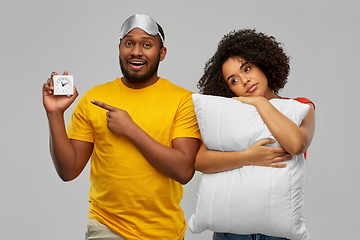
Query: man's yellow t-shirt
(127, 193)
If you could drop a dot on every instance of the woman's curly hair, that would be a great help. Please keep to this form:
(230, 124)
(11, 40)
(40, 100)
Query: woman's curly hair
(257, 48)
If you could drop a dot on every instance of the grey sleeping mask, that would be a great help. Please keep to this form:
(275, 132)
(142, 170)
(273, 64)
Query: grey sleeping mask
(143, 22)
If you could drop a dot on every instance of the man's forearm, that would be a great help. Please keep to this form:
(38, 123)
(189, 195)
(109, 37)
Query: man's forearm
(176, 162)
(61, 149)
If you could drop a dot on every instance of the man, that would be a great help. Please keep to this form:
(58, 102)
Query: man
(141, 133)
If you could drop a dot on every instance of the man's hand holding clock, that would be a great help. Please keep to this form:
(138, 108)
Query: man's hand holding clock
(58, 94)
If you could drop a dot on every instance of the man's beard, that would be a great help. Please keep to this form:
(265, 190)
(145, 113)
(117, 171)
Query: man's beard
(136, 77)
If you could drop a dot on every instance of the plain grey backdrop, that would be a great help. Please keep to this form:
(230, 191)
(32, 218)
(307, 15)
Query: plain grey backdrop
(81, 36)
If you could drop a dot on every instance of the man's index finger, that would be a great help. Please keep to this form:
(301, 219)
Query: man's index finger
(103, 105)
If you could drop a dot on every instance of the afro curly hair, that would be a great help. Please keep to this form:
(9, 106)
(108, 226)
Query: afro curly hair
(257, 48)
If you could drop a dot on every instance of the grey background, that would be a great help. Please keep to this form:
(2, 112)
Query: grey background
(38, 37)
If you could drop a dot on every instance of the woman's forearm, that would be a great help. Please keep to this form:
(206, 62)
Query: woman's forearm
(285, 131)
(210, 161)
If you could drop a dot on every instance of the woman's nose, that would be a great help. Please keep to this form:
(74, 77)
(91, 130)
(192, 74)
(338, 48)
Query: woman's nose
(245, 80)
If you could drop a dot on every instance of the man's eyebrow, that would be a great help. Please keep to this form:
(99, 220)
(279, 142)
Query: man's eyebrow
(148, 38)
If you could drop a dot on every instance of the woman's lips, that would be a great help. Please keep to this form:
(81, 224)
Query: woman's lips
(252, 88)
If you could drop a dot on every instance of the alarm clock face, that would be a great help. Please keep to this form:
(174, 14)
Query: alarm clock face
(63, 85)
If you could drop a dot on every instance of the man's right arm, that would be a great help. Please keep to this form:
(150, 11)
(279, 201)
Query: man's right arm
(69, 156)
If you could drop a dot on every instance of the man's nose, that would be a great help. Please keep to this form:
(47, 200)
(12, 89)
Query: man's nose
(137, 50)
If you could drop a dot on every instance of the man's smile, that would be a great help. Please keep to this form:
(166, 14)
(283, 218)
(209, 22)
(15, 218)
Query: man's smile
(137, 62)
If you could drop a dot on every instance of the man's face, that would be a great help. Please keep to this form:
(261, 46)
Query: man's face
(140, 55)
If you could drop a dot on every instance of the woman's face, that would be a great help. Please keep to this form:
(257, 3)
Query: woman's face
(245, 79)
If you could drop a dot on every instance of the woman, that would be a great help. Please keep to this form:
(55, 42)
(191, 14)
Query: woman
(252, 67)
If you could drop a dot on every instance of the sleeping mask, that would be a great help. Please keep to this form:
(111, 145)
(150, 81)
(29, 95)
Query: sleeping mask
(144, 22)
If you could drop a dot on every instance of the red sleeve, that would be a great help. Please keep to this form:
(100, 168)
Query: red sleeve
(304, 100)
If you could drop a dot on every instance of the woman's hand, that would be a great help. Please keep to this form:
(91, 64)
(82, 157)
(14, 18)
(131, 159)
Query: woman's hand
(268, 156)
(253, 100)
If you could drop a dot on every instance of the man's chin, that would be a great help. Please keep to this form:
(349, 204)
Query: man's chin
(139, 76)
(135, 78)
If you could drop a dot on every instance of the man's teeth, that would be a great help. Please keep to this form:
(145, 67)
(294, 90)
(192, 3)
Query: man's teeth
(137, 63)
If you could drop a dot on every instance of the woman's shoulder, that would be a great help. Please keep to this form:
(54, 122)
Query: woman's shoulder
(302, 100)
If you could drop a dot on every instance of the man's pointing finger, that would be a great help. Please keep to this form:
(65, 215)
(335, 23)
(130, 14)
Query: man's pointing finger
(103, 105)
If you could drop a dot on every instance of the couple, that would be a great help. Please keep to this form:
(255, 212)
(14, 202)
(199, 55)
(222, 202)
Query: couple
(141, 132)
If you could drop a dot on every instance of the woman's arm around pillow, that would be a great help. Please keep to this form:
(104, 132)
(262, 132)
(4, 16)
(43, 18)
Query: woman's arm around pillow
(294, 139)
(210, 161)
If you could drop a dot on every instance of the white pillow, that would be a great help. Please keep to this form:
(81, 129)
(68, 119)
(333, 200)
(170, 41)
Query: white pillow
(251, 199)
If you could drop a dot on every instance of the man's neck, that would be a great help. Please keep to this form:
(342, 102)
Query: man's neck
(140, 85)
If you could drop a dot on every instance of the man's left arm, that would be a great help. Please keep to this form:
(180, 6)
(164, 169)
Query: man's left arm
(176, 162)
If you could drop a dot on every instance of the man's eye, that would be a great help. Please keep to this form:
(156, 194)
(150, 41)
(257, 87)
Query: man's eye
(147, 45)
(128, 44)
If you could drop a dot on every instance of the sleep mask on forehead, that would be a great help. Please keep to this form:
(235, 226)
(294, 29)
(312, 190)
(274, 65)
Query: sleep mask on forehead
(144, 22)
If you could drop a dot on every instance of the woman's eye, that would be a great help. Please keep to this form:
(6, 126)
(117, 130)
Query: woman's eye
(234, 81)
(247, 69)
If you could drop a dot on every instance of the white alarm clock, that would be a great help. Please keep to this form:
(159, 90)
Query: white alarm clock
(63, 85)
